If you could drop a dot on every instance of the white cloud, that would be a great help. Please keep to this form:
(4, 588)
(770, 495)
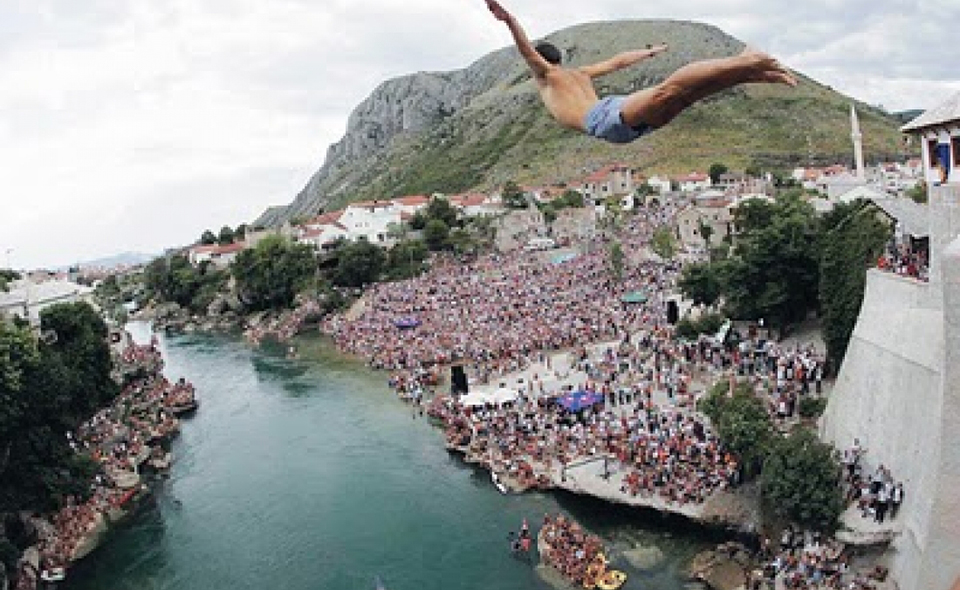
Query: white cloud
(135, 124)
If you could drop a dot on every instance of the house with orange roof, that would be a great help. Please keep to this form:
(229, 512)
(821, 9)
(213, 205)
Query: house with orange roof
(411, 203)
(693, 182)
(476, 205)
(711, 209)
(219, 256)
(609, 181)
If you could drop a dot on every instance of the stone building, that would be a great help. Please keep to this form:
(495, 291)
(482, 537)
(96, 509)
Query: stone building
(898, 390)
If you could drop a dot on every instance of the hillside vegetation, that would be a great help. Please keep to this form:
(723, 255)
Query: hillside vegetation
(477, 127)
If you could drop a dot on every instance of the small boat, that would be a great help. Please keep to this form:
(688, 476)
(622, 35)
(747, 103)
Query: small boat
(54, 574)
(378, 583)
(611, 580)
(497, 482)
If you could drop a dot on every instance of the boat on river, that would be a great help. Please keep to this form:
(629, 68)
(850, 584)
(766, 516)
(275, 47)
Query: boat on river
(496, 482)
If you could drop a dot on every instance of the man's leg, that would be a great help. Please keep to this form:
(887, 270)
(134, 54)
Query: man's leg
(658, 105)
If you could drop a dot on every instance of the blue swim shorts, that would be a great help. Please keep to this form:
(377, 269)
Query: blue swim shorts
(605, 122)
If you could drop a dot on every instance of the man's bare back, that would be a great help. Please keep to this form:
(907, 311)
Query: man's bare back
(570, 97)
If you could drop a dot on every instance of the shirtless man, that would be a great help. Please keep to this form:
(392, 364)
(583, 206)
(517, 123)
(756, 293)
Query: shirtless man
(570, 97)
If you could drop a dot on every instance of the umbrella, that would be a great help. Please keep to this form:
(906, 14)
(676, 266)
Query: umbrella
(407, 322)
(634, 297)
(578, 400)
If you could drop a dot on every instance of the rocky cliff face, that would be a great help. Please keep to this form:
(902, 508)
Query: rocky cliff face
(453, 131)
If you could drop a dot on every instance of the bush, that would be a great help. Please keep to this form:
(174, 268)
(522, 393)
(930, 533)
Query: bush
(705, 324)
(812, 407)
(741, 421)
(801, 481)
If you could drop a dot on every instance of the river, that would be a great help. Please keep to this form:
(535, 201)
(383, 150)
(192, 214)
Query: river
(310, 474)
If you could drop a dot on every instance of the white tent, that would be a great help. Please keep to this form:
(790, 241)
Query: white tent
(498, 397)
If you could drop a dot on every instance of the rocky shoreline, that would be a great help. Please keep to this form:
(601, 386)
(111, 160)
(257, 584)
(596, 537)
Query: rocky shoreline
(130, 440)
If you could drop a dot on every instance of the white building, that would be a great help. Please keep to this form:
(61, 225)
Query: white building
(939, 132)
(219, 256)
(25, 299)
(693, 182)
(660, 184)
(371, 220)
(713, 212)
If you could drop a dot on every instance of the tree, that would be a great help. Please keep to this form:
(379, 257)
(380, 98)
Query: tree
(513, 196)
(702, 283)
(569, 198)
(664, 243)
(852, 238)
(270, 275)
(360, 263)
(461, 241)
(716, 170)
(616, 261)
(226, 236)
(773, 273)
(549, 212)
(46, 390)
(405, 259)
(706, 231)
(437, 235)
(801, 481)
(174, 279)
(742, 423)
(208, 238)
(7, 276)
(440, 208)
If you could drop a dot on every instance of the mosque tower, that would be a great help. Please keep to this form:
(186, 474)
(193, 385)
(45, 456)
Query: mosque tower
(857, 143)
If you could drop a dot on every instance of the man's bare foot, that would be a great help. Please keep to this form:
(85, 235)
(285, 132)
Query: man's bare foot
(764, 68)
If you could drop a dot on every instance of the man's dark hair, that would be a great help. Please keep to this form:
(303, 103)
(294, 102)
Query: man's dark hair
(549, 52)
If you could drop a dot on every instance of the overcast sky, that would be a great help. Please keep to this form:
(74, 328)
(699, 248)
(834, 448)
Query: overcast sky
(133, 125)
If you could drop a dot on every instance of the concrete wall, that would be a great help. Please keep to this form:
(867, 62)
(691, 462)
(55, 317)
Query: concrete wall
(898, 391)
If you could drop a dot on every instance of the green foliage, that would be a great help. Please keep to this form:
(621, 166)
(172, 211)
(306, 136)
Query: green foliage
(226, 236)
(47, 390)
(801, 481)
(360, 263)
(812, 407)
(513, 196)
(440, 208)
(616, 260)
(918, 193)
(741, 421)
(175, 280)
(774, 271)
(569, 198)
(549, 212)
(207, 238)
(270, 275)
(853, 236)
(7, 276)
(405, 259)
(706, 232)
(716, 170)
(709, 323)
(664, 243)
(437, 235)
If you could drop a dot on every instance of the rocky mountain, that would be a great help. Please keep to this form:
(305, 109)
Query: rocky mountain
(479, 126)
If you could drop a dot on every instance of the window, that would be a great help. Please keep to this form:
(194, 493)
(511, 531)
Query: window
(932, 149)
(956, 150)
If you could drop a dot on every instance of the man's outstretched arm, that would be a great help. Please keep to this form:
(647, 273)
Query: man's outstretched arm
(622, 60)
(537, 64)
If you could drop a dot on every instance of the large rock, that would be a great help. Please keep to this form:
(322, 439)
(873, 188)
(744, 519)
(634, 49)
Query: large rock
(723, 568)
(645, 558)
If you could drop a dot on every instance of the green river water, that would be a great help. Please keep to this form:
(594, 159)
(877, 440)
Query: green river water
(310, 474)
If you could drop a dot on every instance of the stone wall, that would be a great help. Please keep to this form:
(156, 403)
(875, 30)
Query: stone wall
(898, 391)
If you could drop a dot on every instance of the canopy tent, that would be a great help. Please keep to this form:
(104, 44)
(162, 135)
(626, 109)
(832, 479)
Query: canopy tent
(498, 397)
(578, 400)
(406, 322)
(634, 297)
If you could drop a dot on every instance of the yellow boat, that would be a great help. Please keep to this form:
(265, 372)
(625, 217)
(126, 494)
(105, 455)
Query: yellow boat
(611, 580)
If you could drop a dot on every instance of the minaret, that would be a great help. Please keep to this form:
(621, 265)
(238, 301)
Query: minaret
(857, 143)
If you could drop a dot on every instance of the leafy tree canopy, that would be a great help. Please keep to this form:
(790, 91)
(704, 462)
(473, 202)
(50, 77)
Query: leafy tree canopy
(437, 235)
(270, 275)
(226, 236)
(361, 263)
(208, 237)
(513, 196)
(801, 481)
(664, 243)
(716, 170)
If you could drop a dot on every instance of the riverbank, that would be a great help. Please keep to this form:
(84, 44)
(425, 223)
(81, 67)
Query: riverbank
(129, 441)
